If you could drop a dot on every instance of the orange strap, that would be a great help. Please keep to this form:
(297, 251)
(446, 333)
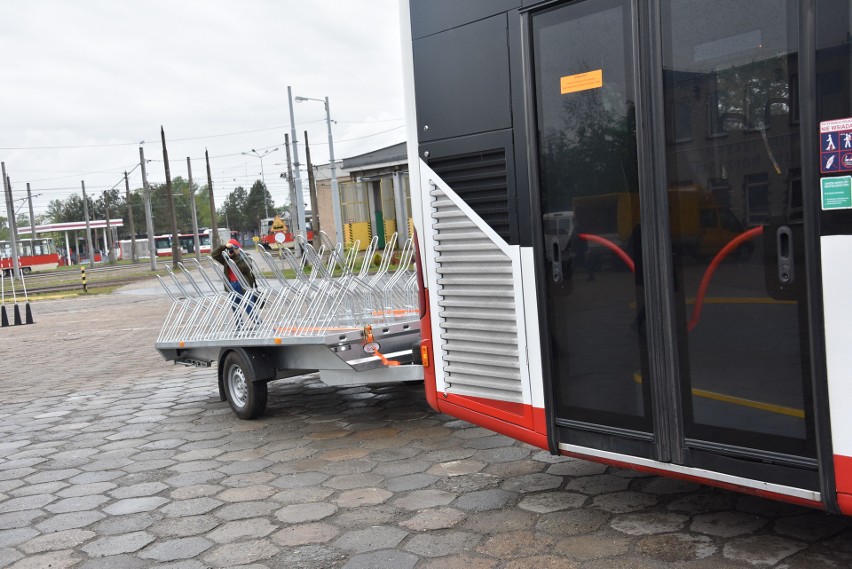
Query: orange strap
(368, 339)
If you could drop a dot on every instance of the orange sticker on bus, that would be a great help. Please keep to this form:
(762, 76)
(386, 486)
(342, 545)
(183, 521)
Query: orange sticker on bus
(581, 81)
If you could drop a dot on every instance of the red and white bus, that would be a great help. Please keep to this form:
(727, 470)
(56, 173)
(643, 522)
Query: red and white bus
(33, 255)
(186, 241)
(575, 297)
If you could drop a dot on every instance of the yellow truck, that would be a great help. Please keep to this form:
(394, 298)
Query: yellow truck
(699, 226)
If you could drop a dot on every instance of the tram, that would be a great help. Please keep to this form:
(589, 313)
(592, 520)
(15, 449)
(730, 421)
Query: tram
(33, 255)
(634, 223)
(163, 243)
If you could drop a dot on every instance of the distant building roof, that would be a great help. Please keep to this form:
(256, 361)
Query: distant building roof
(387, 155)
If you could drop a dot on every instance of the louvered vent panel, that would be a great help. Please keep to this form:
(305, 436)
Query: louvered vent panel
(480, 179)
(479, 335)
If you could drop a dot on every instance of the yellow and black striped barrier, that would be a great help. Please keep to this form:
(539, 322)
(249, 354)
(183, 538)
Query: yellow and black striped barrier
(83, 277)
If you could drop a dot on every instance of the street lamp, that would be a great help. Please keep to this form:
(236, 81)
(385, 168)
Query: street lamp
(262, 176)
(335, 193)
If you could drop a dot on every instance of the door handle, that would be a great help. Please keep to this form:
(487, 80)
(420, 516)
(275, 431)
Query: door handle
(784, 250)
(556, 256)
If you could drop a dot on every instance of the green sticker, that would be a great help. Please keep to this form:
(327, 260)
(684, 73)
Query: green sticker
(836, 192)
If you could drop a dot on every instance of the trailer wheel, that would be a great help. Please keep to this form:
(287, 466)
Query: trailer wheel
(246, 396)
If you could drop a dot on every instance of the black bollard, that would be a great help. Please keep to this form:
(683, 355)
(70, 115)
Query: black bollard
(4, 320)
(17, 315)
(28, 318)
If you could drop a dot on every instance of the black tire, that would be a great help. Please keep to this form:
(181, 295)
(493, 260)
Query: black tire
(246, 396)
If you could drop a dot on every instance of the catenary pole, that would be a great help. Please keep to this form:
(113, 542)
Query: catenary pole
(312, 192)
(13, 230)
(176, 257)
(300, 198)
(214, 239)
(133, 254)
(192, 208)
(89, 246)
(149, 217)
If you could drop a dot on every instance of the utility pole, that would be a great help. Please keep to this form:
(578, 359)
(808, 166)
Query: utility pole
(300, 199)
(214, 239)
(176, 257)
(13, 229)
(192, 208)
(312, 191)
(293, 220)
(32, 216)
(149, 218)
(110, 256)
(134, 255)
(89, 245)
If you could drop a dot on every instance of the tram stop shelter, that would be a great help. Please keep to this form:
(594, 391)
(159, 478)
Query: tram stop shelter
(75, 226)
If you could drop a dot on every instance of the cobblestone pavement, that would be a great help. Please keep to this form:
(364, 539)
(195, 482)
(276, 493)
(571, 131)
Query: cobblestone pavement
(112, 457)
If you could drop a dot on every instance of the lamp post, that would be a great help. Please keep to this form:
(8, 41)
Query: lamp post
(262, 176)
(335, 192)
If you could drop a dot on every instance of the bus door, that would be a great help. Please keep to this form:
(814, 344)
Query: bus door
(661, 346)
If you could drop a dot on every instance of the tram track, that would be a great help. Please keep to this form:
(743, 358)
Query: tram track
(59, 281)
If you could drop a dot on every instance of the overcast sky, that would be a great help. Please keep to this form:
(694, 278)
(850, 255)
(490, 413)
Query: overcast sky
(82, 83)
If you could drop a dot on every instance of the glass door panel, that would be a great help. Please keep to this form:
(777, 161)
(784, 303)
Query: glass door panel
(585, 93)
(735, 197)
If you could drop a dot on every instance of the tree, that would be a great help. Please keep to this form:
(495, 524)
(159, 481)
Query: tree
(234, 209)
(258, 203)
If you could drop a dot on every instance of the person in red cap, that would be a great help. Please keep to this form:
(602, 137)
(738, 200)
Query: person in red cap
(232, 248)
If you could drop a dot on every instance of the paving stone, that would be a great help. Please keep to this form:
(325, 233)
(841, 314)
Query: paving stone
(504, 454)
(191, 507)
(762, 549)
(362, 497)
(118, 544)
(243, 510)
(699, 503)
(727, 524)
(247, 494)
(599, 484)
(134, 505)
(64, 559)
(371, 539)
(195, 491)
(129, 523)
(300, 480)
(300, 513)
(368, 516)
(592, 546)
(466, 560)
(551, 502)
(248, 552)
(456, 467)
(184, 527)
(138, 490)
(79, 504)
(13, 537)
(389, 559)
(574, 467)
(309, 557)
(483, 500)
(646, 524)
(511, 545)
(532, 483)
(240, 529)
(674, 547)
(572, 522)
(350, 481)
(183, 548)
(8, 556)
(19, 519)
(26, 503)
(91, 489)
(92, 477)
(434, 519)
(302, 495)
(624, 502)
(410, 482)
(66, 539)
(468, 482)
(43, 488)
(421, 499)
(440, 545)
(811, 527)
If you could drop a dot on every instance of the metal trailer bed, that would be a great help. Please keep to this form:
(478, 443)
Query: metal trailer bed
(352, 327)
